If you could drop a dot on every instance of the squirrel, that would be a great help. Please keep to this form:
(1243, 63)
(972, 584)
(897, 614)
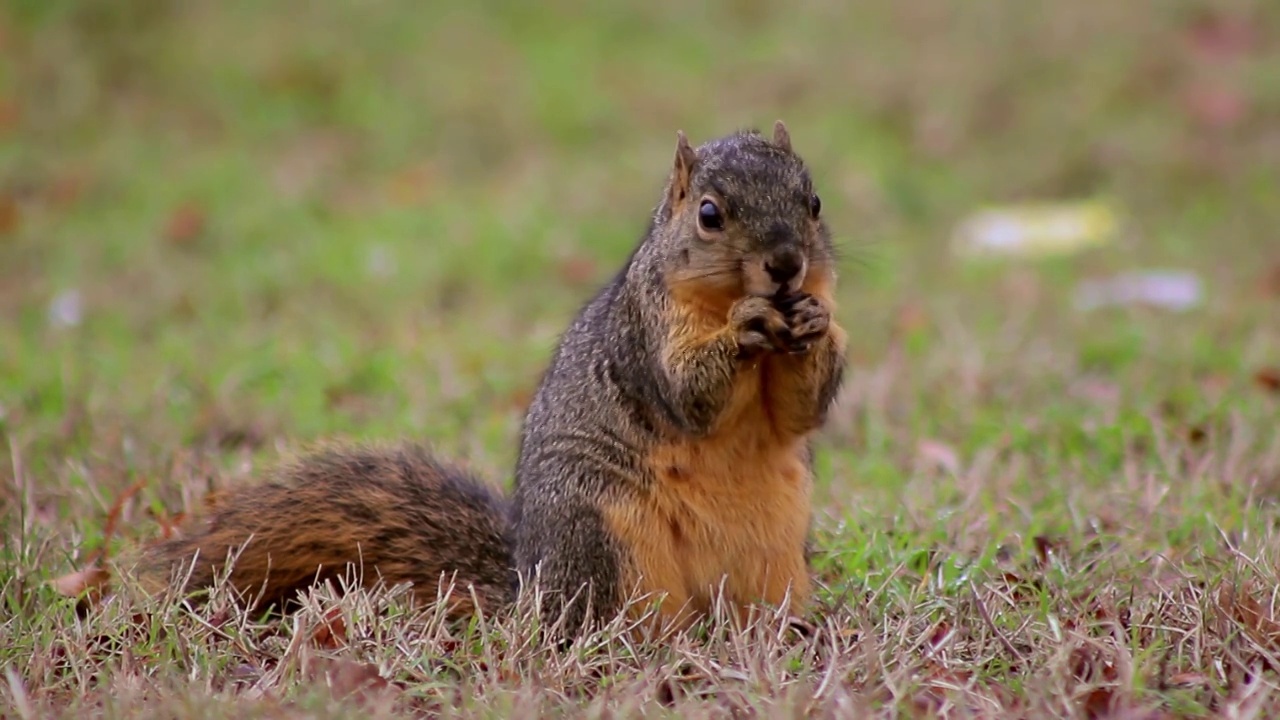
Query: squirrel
(665, 453)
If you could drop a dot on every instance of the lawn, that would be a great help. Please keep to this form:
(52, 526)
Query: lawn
(229, 230)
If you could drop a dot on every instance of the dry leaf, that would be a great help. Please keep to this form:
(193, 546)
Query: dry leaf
(185, 225)
(332, 632)
(1197, 434)
(10, 114)
(1240, 605)
(1218, 37)
(1271, 281)
(92, 582)
(67, 189)
(910, 319)
(577, 270)
(219, 618)
(1088, 664)
(170, 525)
(113, 516)
(10, 214)
(245, 674)
(666, 693)
(1100, 703)
(519, 399)
(1045, 549)
(347, 678)
(413, 185)
(802, 627)
(1216, 107)
(1268, 379)
(939, 634)
(1188, 679)
(89, 582)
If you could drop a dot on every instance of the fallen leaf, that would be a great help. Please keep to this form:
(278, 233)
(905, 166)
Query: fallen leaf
(1271, 281)
(92, 582)
(170, 525)
(185, 225)
(1240, 605)
(667, 692)
(413, 185)
(1268, 379)
(332, 632)
(348, 678)
(1188, 679)
(10, 214)
(1022, 589)
(939, 634)
(245, 673)
(1216, 107)
(577, 270)
(113, 516)
(947, 676)
(1100, 703)
(1088, 664)
(927, 702)
(67, 189)
(87, 584)
(519, 399)
(1218, 37)
(1046, 548)
(10, 114)
(910, 319)
(802, 627)
(1197, 434)
(219, 618)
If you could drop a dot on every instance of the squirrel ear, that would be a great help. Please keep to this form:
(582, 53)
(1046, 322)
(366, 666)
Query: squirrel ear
(686, 158)
(781, 137)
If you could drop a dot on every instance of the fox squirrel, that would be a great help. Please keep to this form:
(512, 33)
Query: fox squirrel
(666, 451)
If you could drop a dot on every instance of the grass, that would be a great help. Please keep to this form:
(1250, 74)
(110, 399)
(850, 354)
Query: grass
(230, 229)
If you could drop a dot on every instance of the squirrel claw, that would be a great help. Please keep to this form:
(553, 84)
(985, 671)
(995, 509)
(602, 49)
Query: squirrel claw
(806, 321)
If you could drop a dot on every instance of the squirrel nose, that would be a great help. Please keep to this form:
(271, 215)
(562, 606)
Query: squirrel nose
(783, 268)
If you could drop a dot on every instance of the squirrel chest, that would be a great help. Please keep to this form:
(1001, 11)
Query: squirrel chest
(728, 512)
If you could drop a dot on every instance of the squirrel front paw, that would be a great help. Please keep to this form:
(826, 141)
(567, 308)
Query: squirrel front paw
(758, 325)
(807, 320)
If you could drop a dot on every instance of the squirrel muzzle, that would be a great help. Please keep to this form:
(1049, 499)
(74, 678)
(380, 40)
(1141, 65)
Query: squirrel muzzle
(775, 273)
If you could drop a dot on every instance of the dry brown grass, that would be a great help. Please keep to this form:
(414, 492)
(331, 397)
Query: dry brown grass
(286, 221)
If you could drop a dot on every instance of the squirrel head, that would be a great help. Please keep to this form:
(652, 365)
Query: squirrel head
(741, 217)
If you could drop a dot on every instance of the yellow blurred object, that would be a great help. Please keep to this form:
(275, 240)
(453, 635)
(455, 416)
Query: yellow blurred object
(1037, 230)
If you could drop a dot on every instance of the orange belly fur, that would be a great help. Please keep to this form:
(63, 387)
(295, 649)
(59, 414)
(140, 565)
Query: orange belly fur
(729, 512)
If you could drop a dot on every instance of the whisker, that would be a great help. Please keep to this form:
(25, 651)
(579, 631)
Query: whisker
(683, 278)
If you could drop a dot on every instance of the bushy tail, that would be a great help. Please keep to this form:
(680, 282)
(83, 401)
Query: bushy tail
(397, 514)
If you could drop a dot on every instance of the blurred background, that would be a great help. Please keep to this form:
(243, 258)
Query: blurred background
(233, 225)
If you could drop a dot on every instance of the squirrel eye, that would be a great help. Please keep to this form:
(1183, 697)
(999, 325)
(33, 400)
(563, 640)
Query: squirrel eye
(709, 216)
(815, 205)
